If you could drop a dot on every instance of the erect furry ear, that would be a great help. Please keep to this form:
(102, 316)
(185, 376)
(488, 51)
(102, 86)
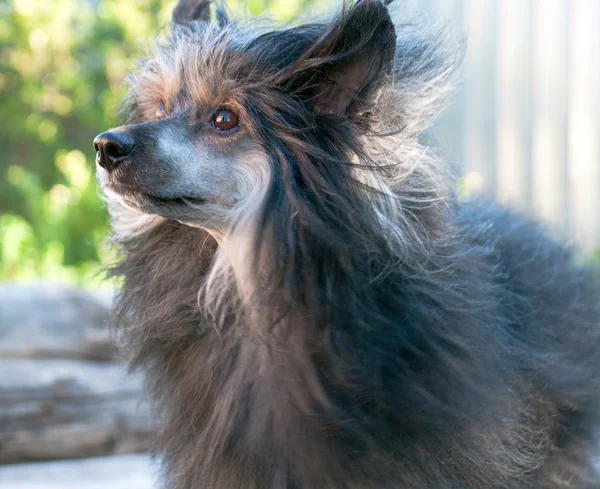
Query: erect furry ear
(353, 58)
(188, 11)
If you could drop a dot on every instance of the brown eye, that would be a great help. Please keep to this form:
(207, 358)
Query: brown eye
(161, 113)
(225, 120)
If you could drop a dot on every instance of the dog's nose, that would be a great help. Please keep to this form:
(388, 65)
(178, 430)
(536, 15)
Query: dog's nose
(111, 148)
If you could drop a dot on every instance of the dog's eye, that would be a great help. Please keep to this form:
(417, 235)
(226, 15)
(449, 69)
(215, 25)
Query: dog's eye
(161, 113)
(225, 120)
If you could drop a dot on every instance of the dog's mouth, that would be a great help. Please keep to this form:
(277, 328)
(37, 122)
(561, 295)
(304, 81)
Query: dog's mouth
(137, 198)
(182, 200)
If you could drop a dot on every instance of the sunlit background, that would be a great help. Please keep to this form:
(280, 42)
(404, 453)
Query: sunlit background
(525, 125)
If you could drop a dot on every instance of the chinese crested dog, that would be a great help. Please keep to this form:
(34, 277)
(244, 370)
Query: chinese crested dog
(313, 306)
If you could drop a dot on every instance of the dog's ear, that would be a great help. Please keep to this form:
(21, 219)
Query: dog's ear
(352, 59)
(188, 11)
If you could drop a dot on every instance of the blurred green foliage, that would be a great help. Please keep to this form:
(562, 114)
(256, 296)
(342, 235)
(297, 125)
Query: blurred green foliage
(62, 64)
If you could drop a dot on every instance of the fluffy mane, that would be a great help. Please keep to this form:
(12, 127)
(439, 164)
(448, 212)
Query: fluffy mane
(352, 326)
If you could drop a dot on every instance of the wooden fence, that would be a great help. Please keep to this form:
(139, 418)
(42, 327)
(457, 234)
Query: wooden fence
(526, 122)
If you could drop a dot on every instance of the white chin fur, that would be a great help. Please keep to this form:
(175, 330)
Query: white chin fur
(127, 222)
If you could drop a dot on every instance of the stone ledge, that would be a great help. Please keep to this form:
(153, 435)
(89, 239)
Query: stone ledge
(55, 409)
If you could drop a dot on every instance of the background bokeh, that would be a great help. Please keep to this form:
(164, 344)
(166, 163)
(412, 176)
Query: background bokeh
(62, 64)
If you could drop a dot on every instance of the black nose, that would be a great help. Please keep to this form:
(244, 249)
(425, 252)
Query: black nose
(111, 148)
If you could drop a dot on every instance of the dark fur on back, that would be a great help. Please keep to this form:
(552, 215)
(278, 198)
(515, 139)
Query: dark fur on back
(453, 346)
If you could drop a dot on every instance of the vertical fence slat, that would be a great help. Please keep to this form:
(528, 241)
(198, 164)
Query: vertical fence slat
(584, 121)
(450, 14)
(479, 88)
(550, 20)
(513, 102)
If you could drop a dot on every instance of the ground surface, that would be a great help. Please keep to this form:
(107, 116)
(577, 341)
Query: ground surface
(117, 472)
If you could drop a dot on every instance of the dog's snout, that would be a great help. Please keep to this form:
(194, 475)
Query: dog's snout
(112, 147)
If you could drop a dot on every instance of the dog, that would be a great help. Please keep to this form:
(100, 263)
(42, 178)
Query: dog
(313, 306)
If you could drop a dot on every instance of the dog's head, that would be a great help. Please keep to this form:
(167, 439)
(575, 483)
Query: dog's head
(219, 102)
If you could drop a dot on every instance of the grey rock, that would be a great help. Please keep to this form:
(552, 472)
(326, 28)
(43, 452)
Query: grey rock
(53, 321)
(56, 409)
